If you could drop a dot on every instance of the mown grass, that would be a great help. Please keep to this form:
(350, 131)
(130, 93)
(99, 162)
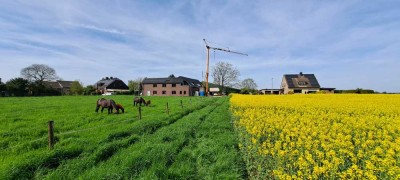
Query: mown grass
(97, 145)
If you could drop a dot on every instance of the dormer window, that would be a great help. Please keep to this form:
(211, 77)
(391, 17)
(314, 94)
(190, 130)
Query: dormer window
(302, 83)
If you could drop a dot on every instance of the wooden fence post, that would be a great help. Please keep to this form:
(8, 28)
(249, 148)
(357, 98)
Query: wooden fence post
(167, 109)
(51, 134)
(140, 112)
(181, 104)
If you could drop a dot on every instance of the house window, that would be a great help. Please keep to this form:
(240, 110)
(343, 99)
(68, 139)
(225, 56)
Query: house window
(164, 92)
(180, 92)
(164, 85)
(154, 85)
(173, 85)
(154, 92)
(173, 92)
(297, 91)
(184, 92)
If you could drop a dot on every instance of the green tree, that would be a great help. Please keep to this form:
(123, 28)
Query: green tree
(135, 86)
(3, 88)
(76, 88)
(89, 90)
(17, 86)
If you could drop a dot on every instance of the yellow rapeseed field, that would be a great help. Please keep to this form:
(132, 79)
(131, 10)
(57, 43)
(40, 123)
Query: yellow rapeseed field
(319, 136)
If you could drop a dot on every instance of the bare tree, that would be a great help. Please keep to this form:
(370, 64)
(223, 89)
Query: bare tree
(249, 84)
(225, 74)
(38, 73)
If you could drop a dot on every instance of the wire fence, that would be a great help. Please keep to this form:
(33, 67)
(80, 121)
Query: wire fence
(179, 105)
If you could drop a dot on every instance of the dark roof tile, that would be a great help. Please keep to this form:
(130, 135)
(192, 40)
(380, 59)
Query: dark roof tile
(173, 80)
(308, 80)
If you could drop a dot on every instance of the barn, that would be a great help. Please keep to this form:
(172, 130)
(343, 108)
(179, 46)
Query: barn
(109, 85)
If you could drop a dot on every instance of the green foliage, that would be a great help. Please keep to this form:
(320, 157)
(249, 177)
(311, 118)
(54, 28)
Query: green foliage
(135, 86)
(355, 91)
(89, 90)
(248, 91)
(17, 86)
(2, 88)
(196, 141)
(321, 92)
(76, 88)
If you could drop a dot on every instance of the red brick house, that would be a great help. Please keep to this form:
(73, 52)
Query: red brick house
(171, 86)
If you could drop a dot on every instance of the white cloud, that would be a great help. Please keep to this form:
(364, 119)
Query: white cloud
(96, 28)
(85, 40)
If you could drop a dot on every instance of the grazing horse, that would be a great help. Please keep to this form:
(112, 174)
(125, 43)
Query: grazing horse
(139, 100)
(105, 103)
(119, 106)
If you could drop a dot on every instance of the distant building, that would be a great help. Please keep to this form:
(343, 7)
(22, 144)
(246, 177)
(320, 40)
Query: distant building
(270, 91)
(171, 86)
(110, 85)
(228, 90)
(64, 87)
(302, 84)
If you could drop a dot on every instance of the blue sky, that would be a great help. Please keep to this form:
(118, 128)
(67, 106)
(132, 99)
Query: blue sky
(346, 44)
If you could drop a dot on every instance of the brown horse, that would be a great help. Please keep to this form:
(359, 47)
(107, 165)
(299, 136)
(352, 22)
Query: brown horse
(139, 100)
(105, 103)
(119, 106)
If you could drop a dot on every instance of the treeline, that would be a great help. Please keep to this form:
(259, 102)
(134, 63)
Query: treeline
(356, 91)
(37, 79)
(22, 87)
(34, 81)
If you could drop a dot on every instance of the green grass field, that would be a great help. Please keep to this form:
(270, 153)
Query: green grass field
(196, 141)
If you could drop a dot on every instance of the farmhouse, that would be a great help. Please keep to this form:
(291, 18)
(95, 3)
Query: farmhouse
(171, 86)
(302, 84)
(63, 87)
(111, 85)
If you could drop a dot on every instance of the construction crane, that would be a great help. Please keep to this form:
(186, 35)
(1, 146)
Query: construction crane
(208, 59)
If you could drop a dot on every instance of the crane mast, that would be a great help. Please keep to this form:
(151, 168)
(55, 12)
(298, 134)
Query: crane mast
(208, 59)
